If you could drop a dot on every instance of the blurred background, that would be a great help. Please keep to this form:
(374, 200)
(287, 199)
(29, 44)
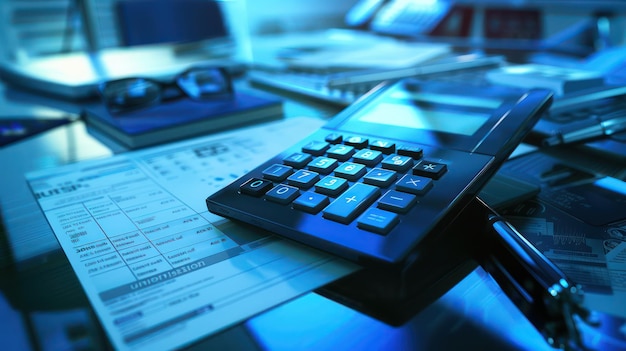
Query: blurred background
(41, 27)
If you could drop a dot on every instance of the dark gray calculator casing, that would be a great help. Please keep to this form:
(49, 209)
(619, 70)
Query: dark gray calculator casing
(471, 132)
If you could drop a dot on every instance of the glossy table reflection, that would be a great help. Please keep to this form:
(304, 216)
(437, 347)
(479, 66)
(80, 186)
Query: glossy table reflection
(474, 315)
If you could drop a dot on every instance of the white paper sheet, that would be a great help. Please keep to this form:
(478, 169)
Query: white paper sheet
(159, 269)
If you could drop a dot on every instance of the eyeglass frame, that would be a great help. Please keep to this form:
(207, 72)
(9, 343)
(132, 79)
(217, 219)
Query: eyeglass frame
(164, 87)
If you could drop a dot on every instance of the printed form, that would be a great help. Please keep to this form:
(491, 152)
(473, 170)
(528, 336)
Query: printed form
(161, 271)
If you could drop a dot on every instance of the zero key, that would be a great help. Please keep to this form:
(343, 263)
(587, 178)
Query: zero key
(256, 187)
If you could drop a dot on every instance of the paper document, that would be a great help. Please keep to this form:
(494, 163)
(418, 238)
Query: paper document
(161, 271)
(340, 49)
(384, 55)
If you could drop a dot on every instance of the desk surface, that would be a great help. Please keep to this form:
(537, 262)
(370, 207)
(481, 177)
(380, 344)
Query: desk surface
(42, 305)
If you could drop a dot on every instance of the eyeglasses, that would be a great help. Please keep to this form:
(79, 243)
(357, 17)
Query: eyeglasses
(197, 83)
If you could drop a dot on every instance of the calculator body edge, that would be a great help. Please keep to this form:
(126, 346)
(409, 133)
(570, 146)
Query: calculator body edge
(471, 159)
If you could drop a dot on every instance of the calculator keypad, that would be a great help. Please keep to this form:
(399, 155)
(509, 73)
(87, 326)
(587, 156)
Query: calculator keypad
(348, 178)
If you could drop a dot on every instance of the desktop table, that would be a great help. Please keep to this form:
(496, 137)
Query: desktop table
(43, 306)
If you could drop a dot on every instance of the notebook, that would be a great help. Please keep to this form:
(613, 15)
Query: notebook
(182, 118)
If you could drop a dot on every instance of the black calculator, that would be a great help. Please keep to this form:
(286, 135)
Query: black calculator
(388, 172)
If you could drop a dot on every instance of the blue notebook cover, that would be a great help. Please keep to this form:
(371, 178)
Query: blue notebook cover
(182, 118)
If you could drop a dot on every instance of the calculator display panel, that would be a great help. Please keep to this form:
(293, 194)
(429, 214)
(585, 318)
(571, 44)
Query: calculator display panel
(451, 119)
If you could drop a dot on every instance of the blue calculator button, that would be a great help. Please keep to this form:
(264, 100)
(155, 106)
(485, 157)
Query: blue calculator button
(341, 152)
(356, 141)
(350, 171)
(256, 187)
(323, 165)
(414, 152)
(331, 186)
(430, 169)
(310, 202)
(397, 163)
(303, 178)
(368, 157)
(316, 148)
(380, 177)
(351, 203)
(334, 138)
(384, 146)
(283, 194)
(297, 160)
(277, 172)
(377, 221)
(414, 184)
(397, 201)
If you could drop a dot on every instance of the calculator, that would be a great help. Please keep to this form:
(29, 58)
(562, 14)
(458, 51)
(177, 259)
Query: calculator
(388, 172)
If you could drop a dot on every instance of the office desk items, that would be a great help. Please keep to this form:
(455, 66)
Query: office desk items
(385, 172)
(199, 83)
(180, 118)
(159, 270)
(586, 113)
(76, 76)
(551, 301)
(306, 63)
(612, 146)
(577, 221)
(343, 88)
(562, 80)
(544, 294)
(608, 124)
(583, 116)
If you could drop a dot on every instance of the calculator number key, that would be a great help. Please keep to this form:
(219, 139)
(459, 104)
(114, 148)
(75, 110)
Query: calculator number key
(341, 152)
(331, 186)
(350, 171)
(356, 141)
(368, 157)
(316, 148)
(323, 165)
(334, 138)
(277, 172)
(255, 187)
(384, 146)
(351, 203)
(282, 194)
(303, 179)
(297, 160)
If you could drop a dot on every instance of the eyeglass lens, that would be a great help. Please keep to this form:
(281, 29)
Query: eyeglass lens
(131, 92)
(203, 83)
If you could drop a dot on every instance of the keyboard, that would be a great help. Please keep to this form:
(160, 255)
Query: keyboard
(345, 87)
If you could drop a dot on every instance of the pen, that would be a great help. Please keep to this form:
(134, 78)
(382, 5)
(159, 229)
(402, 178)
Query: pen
(534, 284)
(604, 127)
